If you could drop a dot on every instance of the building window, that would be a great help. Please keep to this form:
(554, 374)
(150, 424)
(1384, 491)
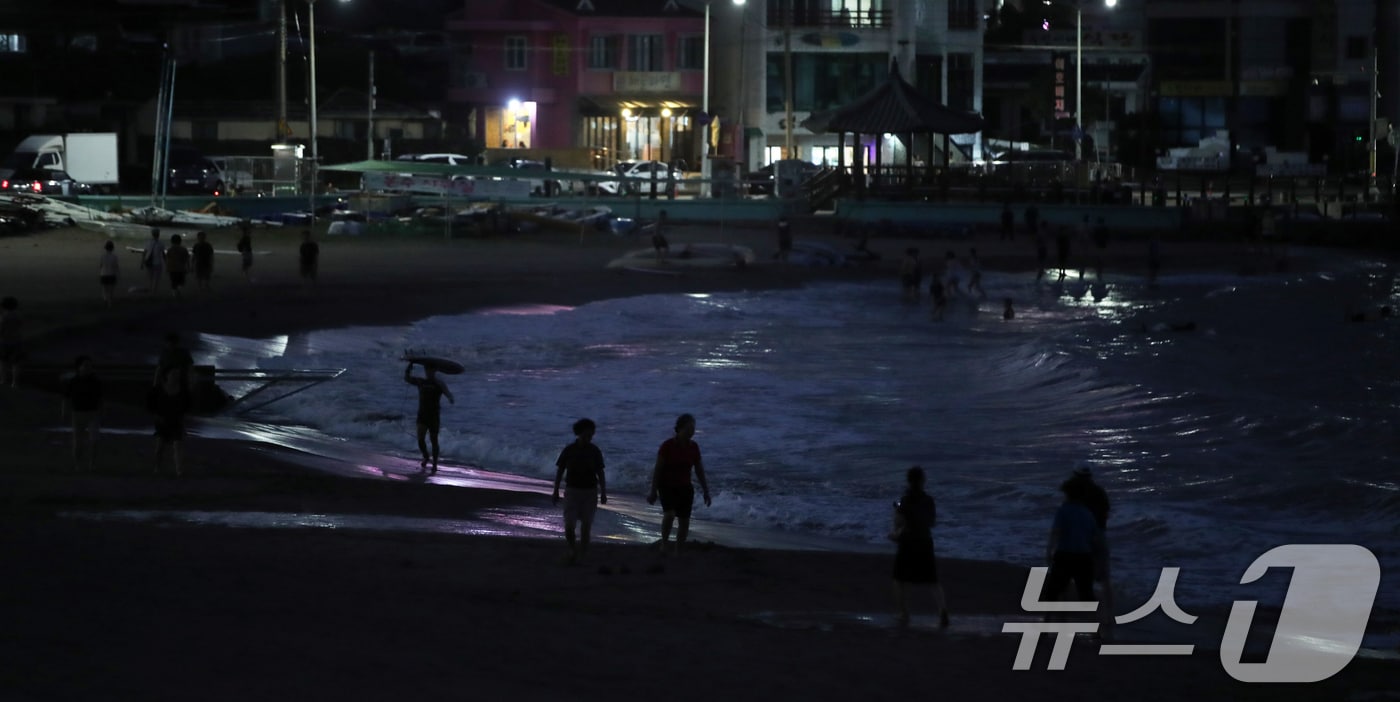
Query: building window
(692, 56)
(645, 53)
(1358, 48)
(1187, 120)
(13, 44)
(515, 53)
(963, 14)
(961, 77)
(603, 51)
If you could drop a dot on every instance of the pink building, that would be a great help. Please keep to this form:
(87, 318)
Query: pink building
(614, 79)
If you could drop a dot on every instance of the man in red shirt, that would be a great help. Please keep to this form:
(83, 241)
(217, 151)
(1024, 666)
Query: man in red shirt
(670, 480)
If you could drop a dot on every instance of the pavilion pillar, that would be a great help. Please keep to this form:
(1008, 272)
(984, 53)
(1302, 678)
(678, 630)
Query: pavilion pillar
(845, 178)
(947, 166)
(879, 160)
(909, 165)
(858, 166)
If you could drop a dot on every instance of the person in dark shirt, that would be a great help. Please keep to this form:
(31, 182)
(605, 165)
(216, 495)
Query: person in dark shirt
(1096, 499)
(82, 399)
(580, 468)
(430, 393)
(309, 257)
(670, 480)
(914, 562)
(168, 403)
(1075, 539)
(203, 253)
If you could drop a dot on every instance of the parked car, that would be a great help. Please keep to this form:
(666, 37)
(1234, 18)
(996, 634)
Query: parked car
(536, 168)
(193, 173)
(644, 170)
(43, 181)
(760, 182)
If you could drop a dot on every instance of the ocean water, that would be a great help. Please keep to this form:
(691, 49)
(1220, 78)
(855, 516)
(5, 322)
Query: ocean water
(1273, 421)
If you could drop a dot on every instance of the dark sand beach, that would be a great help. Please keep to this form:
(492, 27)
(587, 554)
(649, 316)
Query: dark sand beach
(97, 608)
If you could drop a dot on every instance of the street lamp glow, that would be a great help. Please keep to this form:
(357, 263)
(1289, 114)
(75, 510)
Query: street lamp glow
(514, 105)
(1079, 74)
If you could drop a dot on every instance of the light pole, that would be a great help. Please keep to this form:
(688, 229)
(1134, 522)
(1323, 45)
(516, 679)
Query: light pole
(705, 169)
(1079, 74)
(315, 154)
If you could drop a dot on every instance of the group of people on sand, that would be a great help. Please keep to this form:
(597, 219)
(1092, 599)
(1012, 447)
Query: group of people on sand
(580, 468)
(1076, 552)
(174, 262)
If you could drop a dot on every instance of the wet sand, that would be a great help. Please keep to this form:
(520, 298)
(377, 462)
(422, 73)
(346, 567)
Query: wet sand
(104, 608)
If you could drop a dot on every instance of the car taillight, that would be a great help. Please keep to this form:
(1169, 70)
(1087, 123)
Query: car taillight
(36, 186)
(4, 185)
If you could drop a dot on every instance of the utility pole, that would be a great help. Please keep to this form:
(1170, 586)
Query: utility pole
(282, 71)
(369, 126)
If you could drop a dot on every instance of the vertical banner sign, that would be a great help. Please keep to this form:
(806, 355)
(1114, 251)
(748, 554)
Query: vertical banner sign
(561, 54)
(1059, 61)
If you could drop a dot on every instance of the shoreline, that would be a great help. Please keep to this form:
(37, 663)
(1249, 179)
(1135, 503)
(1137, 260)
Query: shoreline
(438, 614)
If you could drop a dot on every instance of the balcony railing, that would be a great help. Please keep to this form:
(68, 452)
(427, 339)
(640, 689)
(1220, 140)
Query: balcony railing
(800, 17)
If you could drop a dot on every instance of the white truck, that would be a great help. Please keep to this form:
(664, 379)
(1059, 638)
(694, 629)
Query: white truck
(89, 158)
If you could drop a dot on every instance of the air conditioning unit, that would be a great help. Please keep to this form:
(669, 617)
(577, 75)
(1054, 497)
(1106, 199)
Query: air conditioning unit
(474, 80)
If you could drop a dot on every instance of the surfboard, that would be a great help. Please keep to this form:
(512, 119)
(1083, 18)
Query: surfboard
(441, 365)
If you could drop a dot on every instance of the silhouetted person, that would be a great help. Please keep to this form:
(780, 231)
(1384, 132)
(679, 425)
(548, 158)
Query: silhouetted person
(670, 480)
(431, 390)
(580, 468)
(914, 563)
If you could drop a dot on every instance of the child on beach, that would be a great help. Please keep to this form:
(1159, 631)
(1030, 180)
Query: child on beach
(107, 270)
(914, 562)
(580, 468)
(168, 402)
(670, 480)
(153, 261)
(82, 400)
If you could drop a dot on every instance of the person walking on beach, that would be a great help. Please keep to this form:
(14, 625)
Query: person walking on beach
(1008, 309)
(670, 480)
(911, 273)
(1062, 249)
(203, 253)
(580, 468)
(82, 401)
(108, 268)
(784, 239)
(1074, 539)
(658, 237)
(914, 561)
(431, 390)
(11, 341)
(245, 250)
(153, 261)
(1096, 499)
(309, 256)
(177, 264)
(168, 403)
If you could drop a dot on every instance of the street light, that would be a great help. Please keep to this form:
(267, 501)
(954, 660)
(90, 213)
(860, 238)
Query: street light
(1079, 73)
(705, 169)
(315, 156)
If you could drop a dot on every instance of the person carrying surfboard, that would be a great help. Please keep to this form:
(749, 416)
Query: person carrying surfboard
(430, 394)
